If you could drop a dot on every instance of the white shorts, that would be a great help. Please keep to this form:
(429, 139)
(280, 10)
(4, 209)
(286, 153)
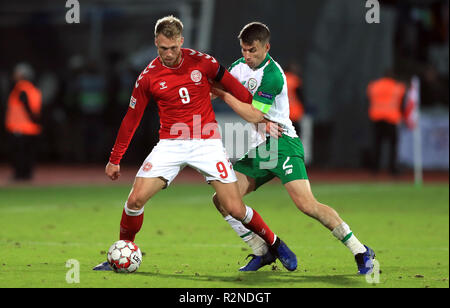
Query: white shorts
(170, 156)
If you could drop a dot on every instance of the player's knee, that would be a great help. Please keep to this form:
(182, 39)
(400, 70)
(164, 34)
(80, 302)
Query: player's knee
(238, 212)
(135, 202)
(234, 208)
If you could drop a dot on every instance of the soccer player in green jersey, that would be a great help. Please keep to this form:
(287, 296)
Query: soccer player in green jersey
(265, 79)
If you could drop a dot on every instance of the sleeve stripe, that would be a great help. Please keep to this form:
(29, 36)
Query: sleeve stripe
(264, 108)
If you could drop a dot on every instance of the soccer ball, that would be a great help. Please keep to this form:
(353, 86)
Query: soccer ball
(124, 257)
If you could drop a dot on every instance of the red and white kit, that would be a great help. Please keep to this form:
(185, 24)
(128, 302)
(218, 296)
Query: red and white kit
(189, 134)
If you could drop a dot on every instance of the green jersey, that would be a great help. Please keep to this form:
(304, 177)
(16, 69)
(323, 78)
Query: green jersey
(267, 84)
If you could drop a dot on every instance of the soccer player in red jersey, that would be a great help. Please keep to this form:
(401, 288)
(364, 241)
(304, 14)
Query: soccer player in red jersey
(178, 80)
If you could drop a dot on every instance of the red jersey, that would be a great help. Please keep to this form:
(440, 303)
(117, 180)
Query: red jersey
(182, 96)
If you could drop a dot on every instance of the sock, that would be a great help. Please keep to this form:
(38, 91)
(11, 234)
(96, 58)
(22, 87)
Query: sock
(256, 243)
(254, 222)
(346, 236)
(130, 223)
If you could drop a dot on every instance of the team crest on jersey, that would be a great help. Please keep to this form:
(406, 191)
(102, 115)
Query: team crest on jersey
(147, 167)
(252, 83)
(132, 102)
(196, 76)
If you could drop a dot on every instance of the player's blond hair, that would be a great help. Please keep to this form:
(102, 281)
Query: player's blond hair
(169, 26)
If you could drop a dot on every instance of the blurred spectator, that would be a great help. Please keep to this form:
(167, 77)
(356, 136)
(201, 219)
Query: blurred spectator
(434, 88)
(386, 97)
(422, 37)
(90, 107)
(23, 121)
(295, 94)
(68, 122)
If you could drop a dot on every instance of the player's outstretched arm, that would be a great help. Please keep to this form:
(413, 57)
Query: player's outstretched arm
(239, 96)
(248, 112)
(130, 122)
(244, 110)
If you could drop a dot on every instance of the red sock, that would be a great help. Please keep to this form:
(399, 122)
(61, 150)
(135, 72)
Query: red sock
(257, 225)
(130, 224)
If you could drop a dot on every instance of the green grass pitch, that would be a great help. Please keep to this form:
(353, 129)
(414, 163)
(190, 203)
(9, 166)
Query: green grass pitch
(187, 244)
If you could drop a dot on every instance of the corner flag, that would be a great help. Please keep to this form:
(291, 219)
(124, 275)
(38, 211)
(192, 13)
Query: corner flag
(412, 103)
(412, 119)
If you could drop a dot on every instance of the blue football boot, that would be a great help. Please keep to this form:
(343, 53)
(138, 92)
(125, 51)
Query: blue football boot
(284, 254)
(258, 261)
(365, 261)
(103, 267)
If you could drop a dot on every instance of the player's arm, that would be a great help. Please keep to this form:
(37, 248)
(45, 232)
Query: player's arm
(257, 106)
(230, 84)
(239, 99)
(130, 123)
(236, 96)
(247, 111)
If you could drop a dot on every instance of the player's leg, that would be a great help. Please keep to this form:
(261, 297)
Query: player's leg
(250, 176)
(230, 199)
(301, 194)
(210, 158)
(246, 185)
(261, 255)
(291, 170)
(157, 171)
(133, 213)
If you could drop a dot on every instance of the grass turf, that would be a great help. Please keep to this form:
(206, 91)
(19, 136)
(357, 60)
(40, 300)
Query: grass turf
(188, 245)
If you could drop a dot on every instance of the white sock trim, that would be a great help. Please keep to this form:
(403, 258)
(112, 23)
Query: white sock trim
(248, 215)
(346, 236)
(239, 228)
(133, 212)
(341, 231)
(256, 243)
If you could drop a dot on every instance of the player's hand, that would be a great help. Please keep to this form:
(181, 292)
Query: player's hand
(212, 96)
(112, 171)
(215, 85)
(218, 92)
(273, 129)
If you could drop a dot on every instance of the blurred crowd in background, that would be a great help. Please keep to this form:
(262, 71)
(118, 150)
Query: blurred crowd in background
(85, 92)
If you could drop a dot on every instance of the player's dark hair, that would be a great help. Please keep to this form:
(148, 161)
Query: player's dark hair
(254, 31)
(169, 26)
